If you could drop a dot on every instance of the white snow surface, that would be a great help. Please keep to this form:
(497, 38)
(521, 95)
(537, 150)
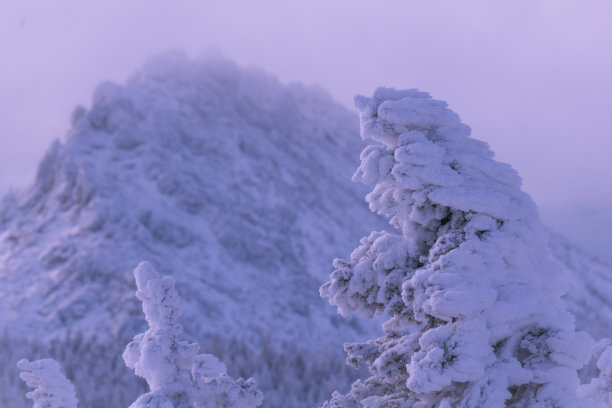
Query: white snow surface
(589, 286)
(236, 186)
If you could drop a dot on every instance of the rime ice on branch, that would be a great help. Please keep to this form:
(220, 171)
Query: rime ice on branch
(177, 376)
(51, 388)
(598, 392)
(472, 296)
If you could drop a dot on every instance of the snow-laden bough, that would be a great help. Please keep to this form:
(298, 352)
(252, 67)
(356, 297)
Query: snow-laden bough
(472, 296)
(178, 377)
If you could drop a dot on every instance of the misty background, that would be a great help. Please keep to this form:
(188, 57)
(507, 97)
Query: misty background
(533, 78)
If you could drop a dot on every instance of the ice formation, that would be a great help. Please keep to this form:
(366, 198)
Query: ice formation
(51, 388)
(473, 299)
(178, 377)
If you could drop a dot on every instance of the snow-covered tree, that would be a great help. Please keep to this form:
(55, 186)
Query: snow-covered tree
(471, 294)
(178, 377)
(51, 388)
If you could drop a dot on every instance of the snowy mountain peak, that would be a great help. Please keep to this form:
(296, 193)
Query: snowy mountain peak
(198, 162)
(235, 185)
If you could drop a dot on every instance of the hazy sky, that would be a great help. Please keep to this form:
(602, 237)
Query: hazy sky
(533, 78)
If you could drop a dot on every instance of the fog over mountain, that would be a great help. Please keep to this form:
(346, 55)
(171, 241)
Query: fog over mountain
(239, 188)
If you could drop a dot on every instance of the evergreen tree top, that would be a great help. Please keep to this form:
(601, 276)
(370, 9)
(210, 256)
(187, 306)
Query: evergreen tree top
(472, 296)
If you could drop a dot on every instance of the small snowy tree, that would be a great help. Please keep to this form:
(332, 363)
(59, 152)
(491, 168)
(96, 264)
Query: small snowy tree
(177, 376)
(51, 388)
(471, 294)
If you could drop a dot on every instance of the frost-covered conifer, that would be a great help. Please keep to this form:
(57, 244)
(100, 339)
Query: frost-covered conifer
(177, 376)
(51, 388)
(472, 296)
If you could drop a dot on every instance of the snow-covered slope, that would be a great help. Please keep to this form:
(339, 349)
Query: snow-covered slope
(589, 286)
(235, 185)
(238, 187)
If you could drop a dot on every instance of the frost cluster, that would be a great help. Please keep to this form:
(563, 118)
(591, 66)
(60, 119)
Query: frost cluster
(51, 388)
(472, 296)
(598, 392)
(177, 376)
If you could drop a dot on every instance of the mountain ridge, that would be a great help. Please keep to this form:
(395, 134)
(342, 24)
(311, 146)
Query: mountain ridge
(232, 183)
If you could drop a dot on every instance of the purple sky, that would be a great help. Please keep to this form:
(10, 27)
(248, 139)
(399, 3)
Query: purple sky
(533, 78)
